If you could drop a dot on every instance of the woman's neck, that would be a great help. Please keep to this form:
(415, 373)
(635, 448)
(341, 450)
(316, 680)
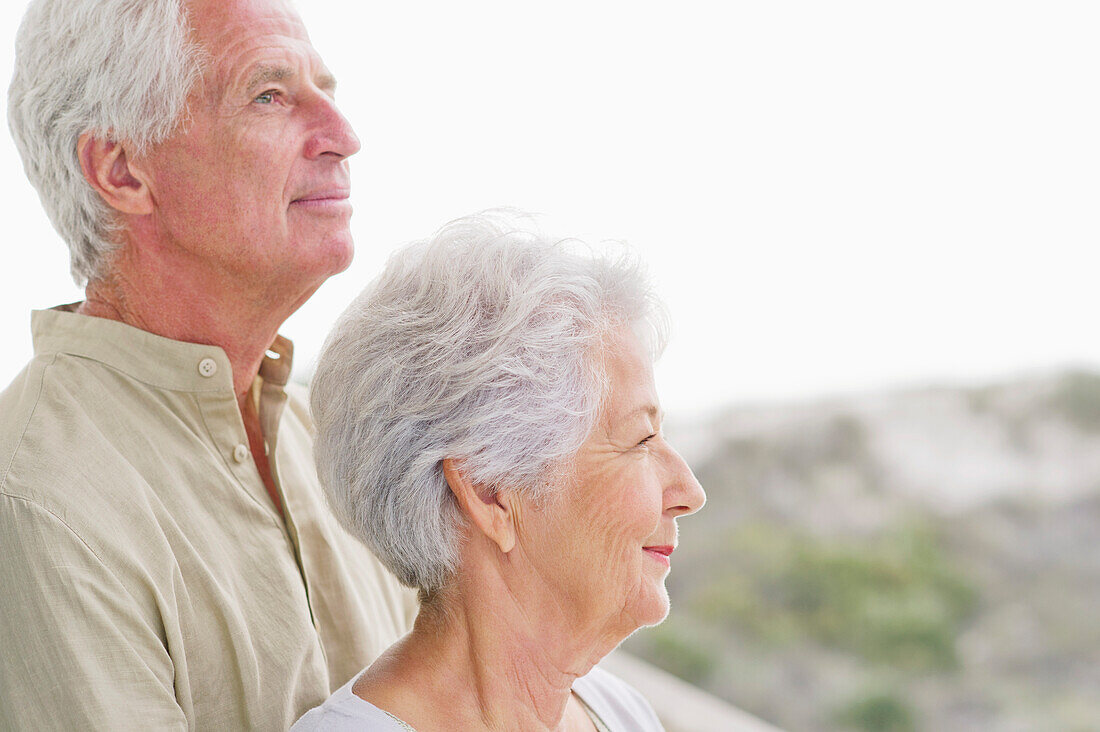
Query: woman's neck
(487, 660)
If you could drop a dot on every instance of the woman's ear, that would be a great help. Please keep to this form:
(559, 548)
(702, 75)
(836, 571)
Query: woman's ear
(109, 171)
(485, 509)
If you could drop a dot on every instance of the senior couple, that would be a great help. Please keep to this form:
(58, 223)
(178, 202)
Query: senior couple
(483, 419)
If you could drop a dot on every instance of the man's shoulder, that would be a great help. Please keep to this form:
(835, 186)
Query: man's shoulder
(19, 402)
(67, 423)
(40, 396)
(65, 494)
(51, 443)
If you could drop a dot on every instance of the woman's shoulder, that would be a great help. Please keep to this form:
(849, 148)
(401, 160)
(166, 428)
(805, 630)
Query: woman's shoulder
(617, 703)
(345, 712)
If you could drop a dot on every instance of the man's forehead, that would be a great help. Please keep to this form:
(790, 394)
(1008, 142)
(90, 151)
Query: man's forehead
(248, 43)
(213, 14)
(220, 25)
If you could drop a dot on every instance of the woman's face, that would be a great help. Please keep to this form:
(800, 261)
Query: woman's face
(602, 544)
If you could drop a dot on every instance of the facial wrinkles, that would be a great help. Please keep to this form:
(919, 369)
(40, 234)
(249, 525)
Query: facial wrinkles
(236, 104)
(611, 510)
(222, 184)
(236, 44)
(274, 67)
(539, 548)
(644, 459)
(549, 600)
(586, 547)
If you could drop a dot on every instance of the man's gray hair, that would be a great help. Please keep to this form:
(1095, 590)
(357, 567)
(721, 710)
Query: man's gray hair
(121, 69)
(481, 345)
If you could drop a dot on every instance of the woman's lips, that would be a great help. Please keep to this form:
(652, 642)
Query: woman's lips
(660, 553)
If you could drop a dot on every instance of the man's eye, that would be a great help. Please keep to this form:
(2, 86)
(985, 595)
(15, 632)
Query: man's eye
(646, 440)
(267, 97)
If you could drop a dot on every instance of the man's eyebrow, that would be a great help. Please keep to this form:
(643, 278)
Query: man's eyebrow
(267, 74)
(326, 82)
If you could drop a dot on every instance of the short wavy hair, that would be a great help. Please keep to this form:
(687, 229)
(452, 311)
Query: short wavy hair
(478, 344)
(121, 69)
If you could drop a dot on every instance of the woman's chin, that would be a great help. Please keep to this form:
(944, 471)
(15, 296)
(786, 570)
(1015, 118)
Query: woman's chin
(653, 609)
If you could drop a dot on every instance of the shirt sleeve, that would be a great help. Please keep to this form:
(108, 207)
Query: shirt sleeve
(77, 649)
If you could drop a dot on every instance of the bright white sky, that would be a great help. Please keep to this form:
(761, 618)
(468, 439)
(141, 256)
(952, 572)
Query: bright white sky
(833, 196)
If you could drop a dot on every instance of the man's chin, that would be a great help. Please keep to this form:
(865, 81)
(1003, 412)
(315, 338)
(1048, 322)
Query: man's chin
(329, 255)
(347, 254)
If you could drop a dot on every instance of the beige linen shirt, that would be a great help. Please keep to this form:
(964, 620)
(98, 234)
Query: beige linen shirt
(146, 579)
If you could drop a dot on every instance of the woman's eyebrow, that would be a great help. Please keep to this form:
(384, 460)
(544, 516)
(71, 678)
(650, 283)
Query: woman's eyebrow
(649, 410)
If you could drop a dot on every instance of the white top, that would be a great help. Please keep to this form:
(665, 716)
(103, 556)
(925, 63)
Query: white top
(619, 707)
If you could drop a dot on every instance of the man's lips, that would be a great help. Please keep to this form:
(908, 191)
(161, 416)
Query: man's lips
(326, 197)
(660, 553)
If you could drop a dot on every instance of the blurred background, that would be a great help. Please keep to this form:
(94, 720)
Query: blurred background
(875, 225)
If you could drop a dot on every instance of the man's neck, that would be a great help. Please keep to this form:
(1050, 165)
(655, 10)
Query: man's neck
(196, 315)
(176, 304)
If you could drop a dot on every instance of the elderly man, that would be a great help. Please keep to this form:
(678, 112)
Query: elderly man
(166, 558)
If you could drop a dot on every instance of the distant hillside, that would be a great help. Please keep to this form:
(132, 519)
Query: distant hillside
(923, 560)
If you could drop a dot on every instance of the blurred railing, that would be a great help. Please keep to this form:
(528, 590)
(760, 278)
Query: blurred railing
(681, 706)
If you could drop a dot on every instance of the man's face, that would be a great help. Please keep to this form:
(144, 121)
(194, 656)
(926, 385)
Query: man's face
(256, 184)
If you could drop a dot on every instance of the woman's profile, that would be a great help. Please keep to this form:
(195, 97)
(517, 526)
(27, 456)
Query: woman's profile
(488, 425)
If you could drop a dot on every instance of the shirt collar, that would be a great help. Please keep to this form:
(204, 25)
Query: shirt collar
(152, 359)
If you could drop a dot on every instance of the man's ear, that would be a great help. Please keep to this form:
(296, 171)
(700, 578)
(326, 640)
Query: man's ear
(487, 510)
(107, 169)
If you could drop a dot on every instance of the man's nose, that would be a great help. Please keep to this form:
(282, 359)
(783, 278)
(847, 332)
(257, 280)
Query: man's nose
(333, 134)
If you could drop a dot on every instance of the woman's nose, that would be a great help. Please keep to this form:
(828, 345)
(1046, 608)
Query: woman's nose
(683, 493)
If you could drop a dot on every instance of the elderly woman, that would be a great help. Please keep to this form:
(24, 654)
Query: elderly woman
(488, 426)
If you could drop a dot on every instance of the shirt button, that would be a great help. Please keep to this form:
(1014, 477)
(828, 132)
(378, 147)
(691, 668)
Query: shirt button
(208, 367)
(241, 453)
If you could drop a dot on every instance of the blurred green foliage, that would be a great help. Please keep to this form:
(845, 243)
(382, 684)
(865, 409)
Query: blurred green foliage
(891, 599)
(676, 648)
(877, 713)
(1077, 397)
(817, 592)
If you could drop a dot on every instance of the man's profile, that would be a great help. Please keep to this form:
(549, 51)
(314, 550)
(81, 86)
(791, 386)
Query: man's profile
(168, 559)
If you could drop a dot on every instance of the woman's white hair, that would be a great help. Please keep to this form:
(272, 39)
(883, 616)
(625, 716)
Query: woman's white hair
(480, 345)
(121, 69)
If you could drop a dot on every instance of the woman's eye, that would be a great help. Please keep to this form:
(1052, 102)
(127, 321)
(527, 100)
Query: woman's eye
(646, 440)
